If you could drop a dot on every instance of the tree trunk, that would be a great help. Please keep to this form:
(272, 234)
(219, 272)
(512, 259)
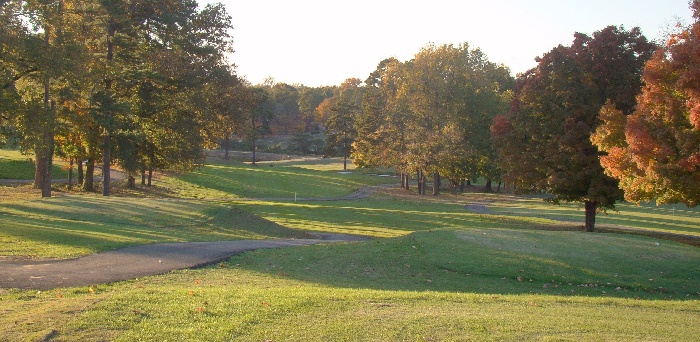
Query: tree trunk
(143, 174)
(106, 140)
(499, 187)
(40, 165)
(106, 174)
(89, 181)
(345, 152)
(254, 148)
(80, 173)
(131, 181)
(487, 187)
(591, 208)
(150, 175)
(46, 181)
(407, 179)
(461, 185)
(70, 174)
(436, 183)
(419, 179)
(227, 143)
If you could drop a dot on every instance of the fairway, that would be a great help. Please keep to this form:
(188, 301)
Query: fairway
(453, 267)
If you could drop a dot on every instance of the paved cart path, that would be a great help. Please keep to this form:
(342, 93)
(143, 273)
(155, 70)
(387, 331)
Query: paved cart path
(136, 261)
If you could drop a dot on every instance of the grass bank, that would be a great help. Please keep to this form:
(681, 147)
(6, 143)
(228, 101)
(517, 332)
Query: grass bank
(434, 269)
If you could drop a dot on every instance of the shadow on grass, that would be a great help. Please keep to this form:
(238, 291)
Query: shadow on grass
(496, 261)
(64, 227)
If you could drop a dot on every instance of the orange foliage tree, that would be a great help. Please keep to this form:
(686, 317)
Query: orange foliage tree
(655, 152)
(544, 142)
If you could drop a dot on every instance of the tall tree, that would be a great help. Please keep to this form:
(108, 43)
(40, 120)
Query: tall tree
(544, 141)
(654, 151)
(340, 124)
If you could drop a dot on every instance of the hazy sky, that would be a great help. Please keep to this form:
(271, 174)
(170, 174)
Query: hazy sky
(323, 42)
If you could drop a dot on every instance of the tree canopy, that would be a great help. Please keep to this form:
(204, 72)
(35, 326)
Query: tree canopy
(653, 151)
(544, 141)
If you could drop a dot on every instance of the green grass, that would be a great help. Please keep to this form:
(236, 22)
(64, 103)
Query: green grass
(433, 271)
(66, 227)
(15, 166)
(269, 180)
(342, 293)
(677, 219)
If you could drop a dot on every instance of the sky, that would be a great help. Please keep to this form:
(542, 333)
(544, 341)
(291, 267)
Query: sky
(324, 42)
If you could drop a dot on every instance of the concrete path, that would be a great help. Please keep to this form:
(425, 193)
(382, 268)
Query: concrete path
(136, 261)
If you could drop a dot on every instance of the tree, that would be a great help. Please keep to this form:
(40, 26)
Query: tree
(340, 128)
(654, 151)
(38, 61)
(286, 115)
(452, 93)
(544, 142)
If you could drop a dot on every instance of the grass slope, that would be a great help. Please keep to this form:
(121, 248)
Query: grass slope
(233, 179)
(434, 271)
(71, 226)
(15, 166)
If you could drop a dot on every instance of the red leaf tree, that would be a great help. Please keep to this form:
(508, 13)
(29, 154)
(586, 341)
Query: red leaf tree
(544, 142)
(655, 152)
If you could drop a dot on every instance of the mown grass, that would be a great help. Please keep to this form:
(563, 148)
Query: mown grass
(15, 166)
(224, 304)
(432, 271)
(72, 226)
(287, 179)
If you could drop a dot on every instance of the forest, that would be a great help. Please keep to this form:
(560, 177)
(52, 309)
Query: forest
(146, 86)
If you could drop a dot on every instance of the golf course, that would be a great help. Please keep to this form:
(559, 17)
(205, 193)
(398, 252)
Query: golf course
(454, 267)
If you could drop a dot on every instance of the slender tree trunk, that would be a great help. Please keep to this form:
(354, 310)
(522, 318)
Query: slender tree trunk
(143, 174)
(47, 143)
(254, 148)
(106, 140)
(89, 182)
(461, 185)
(419, 179)
(436, 183)
(70, 174)
(498, 189)
(46, 181)
(345, 152)
(80, 172)
(591, 208)
(40, 165)
(131, 181)
(227, 143)
(487, 187)
(106, 174)
(150, 175)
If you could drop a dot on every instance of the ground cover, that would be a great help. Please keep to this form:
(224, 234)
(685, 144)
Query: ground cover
(15, 166)
(71, 226)
(434, 270)
(301, 178)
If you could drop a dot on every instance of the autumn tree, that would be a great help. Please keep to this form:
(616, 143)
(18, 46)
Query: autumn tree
(452, 94)
(340, 124)
(286, 115)
(654, 151)
(544, 142)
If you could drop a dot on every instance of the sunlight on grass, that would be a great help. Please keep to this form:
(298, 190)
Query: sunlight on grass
(236, 179)
(14, 165)
(433, 270)
(72, 226)
(376, 217)
(646, 216)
